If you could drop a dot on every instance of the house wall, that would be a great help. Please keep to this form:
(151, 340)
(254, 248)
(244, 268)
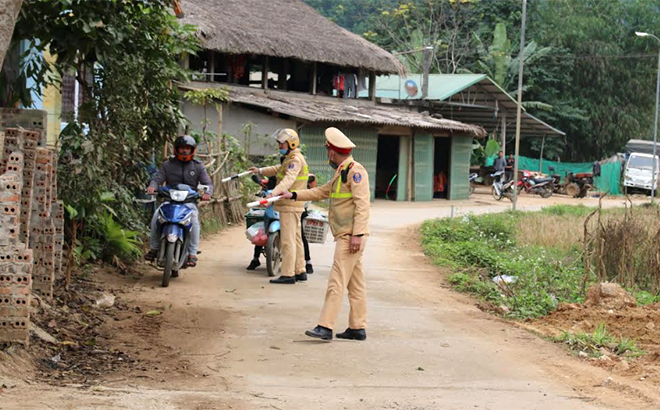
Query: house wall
(234, 119)
(423, 160)
(461, 151)
(404, 164)
(366, 140)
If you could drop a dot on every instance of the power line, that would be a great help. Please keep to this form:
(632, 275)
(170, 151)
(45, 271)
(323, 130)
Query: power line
(600, 56)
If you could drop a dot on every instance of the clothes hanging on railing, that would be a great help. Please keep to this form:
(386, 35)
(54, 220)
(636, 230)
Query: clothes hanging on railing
(350, 90)
(238, 66)
(338, 84)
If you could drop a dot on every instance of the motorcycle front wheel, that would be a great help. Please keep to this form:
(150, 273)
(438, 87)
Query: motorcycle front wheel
(273, 253)
(169, 263)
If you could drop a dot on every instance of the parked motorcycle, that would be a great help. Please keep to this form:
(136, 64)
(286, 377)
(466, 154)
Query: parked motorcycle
(543, 186)
(174, 225)
(264, 227)
(472, 179)
(501, 188)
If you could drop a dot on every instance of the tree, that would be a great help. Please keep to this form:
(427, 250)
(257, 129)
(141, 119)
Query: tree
(415, 24)
(9, 10)
(600, 77)
(124, 55)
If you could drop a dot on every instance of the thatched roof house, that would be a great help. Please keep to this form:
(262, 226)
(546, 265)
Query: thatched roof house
(283, 28)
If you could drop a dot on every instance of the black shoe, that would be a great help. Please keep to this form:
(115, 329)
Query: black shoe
(302, 277)
(253, 264)
(309, 268)
(151, 255)
(353, 334)
(320, 332)
(289, 280)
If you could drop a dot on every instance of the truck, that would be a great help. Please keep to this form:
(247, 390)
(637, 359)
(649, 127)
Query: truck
(638, 172)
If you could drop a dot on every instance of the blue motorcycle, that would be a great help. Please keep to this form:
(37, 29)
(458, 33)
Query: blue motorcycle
(174, 225)
(271, 219)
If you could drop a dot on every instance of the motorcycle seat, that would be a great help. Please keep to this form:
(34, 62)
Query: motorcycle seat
(541, 180)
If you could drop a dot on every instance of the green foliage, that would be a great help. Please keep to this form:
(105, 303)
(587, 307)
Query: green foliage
(485, 247)
(592, 343)
(207, 96)
(583, 59)
(644, 298)
(468, 283)
(124, 55)
(121, 243)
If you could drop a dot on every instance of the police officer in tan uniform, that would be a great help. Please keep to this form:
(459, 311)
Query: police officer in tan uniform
(349, 194)
(292, 175)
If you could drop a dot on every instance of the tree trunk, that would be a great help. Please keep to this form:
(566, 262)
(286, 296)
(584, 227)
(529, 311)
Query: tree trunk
(8, 14)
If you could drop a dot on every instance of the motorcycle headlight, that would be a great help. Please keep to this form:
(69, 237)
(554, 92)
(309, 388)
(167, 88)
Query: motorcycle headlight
(178, 196)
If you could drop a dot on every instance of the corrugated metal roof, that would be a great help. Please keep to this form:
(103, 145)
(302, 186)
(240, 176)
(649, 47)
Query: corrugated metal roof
(455, 96)
(328, 109)
(441, 86)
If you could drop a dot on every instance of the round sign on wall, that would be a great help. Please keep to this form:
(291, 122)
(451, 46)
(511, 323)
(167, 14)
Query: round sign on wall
(411, 88)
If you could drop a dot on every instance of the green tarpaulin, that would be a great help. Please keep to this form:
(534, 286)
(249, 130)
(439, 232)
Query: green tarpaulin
(609, 179)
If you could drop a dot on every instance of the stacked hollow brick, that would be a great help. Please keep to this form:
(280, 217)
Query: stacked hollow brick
(42, 228)
(31, 219)
(15, 257)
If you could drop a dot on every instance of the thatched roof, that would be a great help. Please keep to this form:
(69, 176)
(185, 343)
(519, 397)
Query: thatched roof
(337, 110)
(283, 28)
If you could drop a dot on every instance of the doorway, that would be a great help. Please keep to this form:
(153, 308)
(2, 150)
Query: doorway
(441, 167)
(387, 166)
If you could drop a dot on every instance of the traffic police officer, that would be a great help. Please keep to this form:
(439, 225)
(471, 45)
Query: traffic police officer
(349, 195)
(292, 175)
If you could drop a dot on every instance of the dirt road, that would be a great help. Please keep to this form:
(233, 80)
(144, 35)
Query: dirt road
(230, 340)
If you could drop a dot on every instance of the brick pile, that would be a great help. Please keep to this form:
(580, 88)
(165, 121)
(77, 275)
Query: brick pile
(31, 219)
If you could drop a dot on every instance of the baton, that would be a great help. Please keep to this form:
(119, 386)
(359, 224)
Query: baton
(264, 201)
(242, 174)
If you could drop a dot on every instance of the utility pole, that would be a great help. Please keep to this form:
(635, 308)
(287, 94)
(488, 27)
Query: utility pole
(519, 106)
(655, 124)
(428, 50)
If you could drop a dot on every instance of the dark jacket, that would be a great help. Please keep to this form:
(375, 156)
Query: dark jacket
(174, 172)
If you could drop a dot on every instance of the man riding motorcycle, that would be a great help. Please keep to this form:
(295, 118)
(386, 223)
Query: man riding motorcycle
(180, 169)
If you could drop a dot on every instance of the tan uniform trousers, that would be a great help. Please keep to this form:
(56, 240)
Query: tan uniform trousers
(346, 273)
(293, 253)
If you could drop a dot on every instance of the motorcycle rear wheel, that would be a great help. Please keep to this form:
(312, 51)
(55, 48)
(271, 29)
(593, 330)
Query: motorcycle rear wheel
(169, 264)
(273, 253)
(546, 193)
(493, 191)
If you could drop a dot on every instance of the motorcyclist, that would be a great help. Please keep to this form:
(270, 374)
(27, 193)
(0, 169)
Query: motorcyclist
(181, 168)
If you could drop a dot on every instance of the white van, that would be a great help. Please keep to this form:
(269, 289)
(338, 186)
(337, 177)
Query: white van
(639, 171)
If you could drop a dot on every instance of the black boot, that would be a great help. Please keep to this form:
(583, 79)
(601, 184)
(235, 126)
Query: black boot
(353, 334)
(289, 280)
(302, 277)
(253, 264)
(320, 332)
(309, 268)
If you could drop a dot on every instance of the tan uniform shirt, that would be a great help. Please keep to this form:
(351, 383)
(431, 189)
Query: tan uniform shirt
(292, 176)
(349, 201)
